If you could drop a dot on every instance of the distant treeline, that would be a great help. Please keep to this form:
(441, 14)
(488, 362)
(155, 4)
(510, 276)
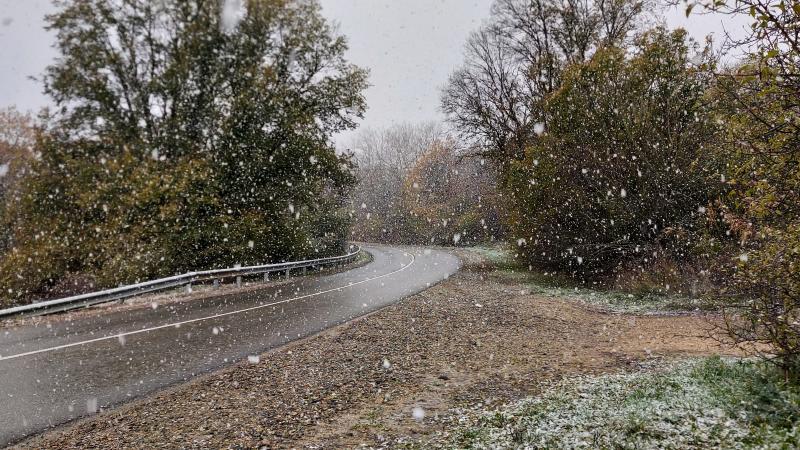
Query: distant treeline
(417, 187)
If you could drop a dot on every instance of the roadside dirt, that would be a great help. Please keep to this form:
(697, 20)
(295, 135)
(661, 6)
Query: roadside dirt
(473, 339)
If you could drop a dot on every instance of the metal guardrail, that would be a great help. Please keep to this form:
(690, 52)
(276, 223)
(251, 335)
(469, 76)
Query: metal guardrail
(187, 279)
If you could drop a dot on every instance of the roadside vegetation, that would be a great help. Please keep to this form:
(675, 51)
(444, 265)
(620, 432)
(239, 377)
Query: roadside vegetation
(503, 266)
(183, 136)
(618, 155)
(699, 403)
(630, 157)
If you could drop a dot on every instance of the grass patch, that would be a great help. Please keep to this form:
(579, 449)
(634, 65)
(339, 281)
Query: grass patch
(509, 270)
(498, 256)
(622, 301)
(702, 403)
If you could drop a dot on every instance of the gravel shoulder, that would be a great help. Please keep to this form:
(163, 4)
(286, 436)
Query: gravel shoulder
(396, 376)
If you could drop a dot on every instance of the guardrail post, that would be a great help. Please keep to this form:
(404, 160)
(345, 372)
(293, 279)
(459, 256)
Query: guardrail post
(216, 284)
(287, 272)
(266, 277)
(189, 288)
(239, 281)
(304, 270)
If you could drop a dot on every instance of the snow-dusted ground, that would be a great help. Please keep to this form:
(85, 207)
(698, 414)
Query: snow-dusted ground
(697, 403)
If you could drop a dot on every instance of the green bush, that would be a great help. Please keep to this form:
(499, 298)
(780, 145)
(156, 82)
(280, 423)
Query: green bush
(127, 219)
(761, 211)
(218, 154)
(618, 171)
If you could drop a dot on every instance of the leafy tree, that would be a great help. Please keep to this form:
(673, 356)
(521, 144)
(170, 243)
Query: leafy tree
(618, 172)
(759, 103)
(185, 137)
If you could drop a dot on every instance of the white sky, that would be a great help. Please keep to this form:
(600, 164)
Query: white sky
(410, 47)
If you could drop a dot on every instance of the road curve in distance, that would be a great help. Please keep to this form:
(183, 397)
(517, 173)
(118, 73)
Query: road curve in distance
(56, 371)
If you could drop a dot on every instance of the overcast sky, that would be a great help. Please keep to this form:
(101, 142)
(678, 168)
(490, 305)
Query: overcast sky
(410, 47)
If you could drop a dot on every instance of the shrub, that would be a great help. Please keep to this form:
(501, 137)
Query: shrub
(758, 105)
(618, 171)
(761, 211)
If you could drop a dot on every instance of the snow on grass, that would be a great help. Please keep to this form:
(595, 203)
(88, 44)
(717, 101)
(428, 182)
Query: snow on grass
(549, 285)
(614, 301)
(707, 403)
(622, 302)
(497, 255)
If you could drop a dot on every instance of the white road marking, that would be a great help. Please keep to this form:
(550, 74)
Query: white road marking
(200, 319)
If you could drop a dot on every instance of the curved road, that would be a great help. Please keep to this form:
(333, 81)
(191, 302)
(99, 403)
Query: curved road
(51, 374)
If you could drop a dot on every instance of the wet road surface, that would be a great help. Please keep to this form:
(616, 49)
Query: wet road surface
(51, 374)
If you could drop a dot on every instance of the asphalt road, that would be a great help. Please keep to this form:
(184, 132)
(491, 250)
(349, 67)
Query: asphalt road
(51, 374)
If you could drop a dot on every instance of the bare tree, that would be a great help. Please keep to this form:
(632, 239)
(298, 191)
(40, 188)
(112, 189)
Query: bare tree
(517, 59)
(488, 99)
